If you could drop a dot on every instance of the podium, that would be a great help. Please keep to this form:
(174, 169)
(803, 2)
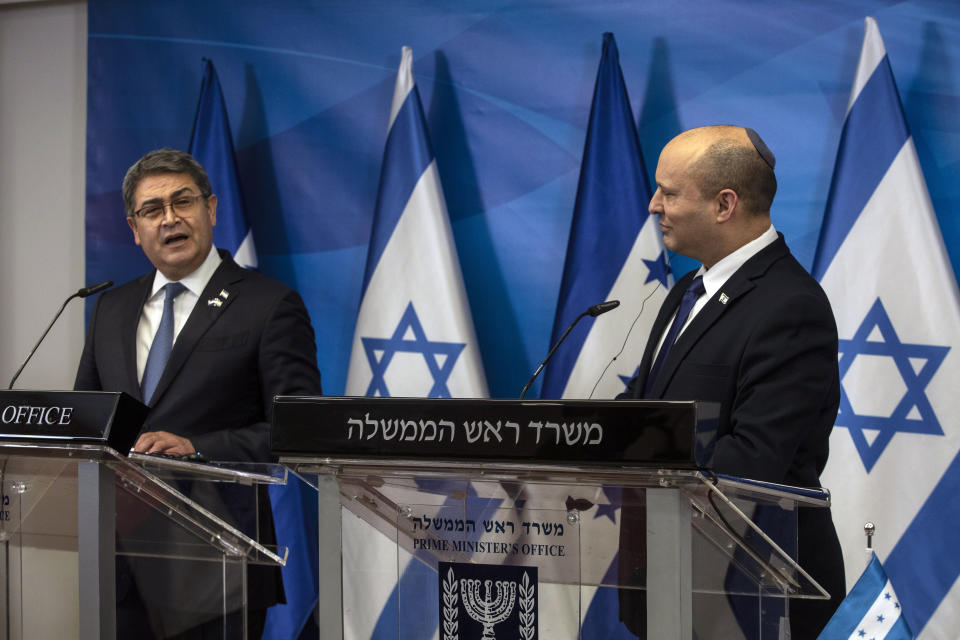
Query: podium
(539, 519)
(80, 522)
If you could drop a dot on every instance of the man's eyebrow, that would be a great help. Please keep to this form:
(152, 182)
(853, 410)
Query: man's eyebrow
(155, 199)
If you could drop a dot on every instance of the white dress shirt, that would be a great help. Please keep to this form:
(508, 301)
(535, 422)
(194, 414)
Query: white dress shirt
(182, 306)
(715, 276)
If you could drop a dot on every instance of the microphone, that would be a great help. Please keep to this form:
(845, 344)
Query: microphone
(92, 289)
(593, 311)
(603, 307)
(81, 293)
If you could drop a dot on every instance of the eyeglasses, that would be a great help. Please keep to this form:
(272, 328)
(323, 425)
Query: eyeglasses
(180, 206)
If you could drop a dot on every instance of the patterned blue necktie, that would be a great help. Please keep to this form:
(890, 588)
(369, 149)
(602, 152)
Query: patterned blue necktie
(690, 296)
(162, 344)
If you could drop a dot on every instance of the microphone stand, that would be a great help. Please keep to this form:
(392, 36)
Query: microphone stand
(594, 311)
(82, 293)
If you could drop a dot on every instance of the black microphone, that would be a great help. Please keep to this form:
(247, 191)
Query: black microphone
(81, 293)
(594, 311)
(603, 307)
(92, 289)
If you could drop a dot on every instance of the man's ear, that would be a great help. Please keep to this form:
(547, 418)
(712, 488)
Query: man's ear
(726, 205)
(132, 221)
(212, 209)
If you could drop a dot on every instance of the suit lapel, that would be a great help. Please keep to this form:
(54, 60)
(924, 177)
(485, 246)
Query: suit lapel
(736, 287)
(667, 309)
(210, 306)
(129, 323)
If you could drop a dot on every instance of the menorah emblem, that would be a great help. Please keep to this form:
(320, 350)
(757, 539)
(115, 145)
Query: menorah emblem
(488, 609)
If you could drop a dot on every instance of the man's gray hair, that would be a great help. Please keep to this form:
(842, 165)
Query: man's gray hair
(164, 160)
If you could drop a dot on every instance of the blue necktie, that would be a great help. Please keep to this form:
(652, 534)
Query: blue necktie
(690, 296)
(162, 343)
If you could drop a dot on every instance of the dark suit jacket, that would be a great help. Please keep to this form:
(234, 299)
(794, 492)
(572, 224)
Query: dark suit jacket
(768, 356)
(227, 363)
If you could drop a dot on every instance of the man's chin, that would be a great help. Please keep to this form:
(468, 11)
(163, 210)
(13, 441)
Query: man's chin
(178, 263)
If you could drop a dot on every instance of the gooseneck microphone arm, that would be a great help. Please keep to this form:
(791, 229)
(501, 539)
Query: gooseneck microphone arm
(593, 311)
(81, 293)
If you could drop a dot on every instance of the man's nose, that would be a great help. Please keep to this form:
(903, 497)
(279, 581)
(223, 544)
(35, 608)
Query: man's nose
(655, 207)
(168, 216)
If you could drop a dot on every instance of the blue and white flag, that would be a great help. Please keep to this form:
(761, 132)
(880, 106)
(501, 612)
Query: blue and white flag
(615, 252)
(881, 259)
(212, 146)
(414, 337)
(293, 504)
(871, 610)
(414, 334)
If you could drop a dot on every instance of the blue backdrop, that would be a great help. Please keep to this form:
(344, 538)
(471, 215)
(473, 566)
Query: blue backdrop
(506, 87)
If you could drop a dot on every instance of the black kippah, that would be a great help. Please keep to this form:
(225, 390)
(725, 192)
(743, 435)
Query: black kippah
(761, 147)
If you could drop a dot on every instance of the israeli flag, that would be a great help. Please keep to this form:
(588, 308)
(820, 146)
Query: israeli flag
(894, 452)
(212, 146)
(871, 610)
(615, 252)
(414, 334)
(414, 337)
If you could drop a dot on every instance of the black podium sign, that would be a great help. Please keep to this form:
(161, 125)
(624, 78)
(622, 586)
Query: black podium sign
(91, 417)
(586, 431)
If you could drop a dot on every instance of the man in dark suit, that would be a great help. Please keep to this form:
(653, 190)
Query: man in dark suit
(203, 342)
(759, 337)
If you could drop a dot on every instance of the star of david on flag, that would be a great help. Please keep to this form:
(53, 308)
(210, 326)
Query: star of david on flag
(440, 357)
(881, 259)
(414, 335)
(615, 251)
(915, 366)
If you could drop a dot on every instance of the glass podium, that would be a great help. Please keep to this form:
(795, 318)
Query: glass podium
(553, 538)
(81, 526)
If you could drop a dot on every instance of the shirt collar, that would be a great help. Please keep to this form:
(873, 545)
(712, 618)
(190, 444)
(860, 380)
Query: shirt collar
(715, 276)
(197, 281)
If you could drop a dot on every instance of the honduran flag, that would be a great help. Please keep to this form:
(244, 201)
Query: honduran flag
(871, 610)
(293, 504)
(212, 145)
(615, 252)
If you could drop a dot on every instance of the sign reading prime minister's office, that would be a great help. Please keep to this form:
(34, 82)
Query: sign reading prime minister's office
(489, 561)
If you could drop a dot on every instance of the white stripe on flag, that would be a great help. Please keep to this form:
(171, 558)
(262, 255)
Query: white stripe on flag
(246, 253)
(880, 617)
(871, 54)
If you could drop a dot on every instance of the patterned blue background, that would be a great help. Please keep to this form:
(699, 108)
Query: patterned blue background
(506, 88)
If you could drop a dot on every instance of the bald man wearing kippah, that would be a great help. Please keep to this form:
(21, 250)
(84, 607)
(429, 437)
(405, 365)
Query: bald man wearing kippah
(754, 333)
